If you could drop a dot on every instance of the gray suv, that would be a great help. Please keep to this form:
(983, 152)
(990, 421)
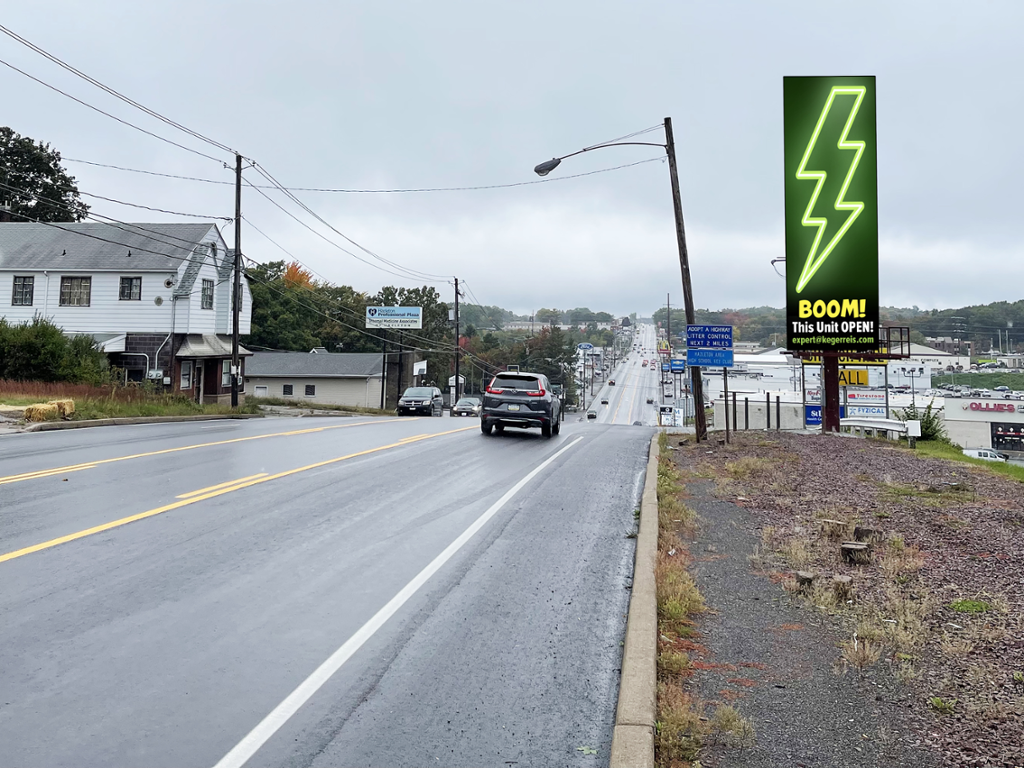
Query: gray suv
(521, 400)
(425, 400)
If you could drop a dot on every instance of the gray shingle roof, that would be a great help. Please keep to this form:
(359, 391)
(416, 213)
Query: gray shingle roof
(95, 246)
(337, 365)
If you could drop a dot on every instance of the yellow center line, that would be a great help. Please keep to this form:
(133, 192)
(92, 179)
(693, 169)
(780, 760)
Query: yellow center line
(91, 464)
(220, 485)
(209, 494)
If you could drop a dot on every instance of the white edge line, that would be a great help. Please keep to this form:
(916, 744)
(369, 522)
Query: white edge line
(258, 736)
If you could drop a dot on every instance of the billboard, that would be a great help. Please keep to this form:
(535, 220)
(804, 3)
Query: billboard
(831, 190)
(402, 318)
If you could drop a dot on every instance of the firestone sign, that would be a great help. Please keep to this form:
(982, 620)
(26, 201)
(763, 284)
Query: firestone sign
(831, 213)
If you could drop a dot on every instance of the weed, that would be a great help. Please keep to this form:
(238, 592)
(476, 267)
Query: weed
(672, 662)
(906, 672)
(942, 706)
(747, 467)
(955, 647)
(970, 606)
(663, 441)
(678, 733)
(860, 653)
(901, 561)
(726, 720)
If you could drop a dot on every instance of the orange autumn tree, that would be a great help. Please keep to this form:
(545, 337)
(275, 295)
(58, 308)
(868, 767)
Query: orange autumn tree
(297, 277)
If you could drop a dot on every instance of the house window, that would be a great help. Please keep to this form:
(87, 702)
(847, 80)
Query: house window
(22, 296)
(75, 291)
(131, 289)
(311, 390)
(186, 374)
(286, 390)
(207, 294)
(225, 373)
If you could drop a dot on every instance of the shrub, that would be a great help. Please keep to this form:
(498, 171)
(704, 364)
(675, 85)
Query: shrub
(39, 351)
(932, 427)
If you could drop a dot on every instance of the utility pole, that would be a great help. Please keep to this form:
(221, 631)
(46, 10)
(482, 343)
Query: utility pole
(458, 349)
(236, 287)
(699, 420)
(668, 322)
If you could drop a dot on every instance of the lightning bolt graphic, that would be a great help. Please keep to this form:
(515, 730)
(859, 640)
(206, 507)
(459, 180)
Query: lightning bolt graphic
(815, 259)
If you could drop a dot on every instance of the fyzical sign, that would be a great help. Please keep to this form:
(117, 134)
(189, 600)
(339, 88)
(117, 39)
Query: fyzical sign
(831, 213)
(394, 317)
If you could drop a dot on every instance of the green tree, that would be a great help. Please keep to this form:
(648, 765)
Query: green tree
(33, 181)
(548, 316)
(39, 351)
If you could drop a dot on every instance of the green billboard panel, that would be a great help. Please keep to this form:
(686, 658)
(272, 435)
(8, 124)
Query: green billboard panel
(831, 213)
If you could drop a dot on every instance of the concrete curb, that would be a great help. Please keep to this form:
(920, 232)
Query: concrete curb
(48, 426)
(633, 737)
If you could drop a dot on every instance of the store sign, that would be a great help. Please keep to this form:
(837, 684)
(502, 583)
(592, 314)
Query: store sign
(853, 377)
(816, 359)
(983, 410)
(394, 317)
(812, 414)
(831, 213)
(874, 397)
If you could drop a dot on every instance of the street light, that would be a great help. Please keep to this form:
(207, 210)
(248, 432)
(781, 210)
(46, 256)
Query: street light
(543, 169)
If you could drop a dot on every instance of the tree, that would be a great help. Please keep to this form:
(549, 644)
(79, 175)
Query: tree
(34, 183)
(548, 316)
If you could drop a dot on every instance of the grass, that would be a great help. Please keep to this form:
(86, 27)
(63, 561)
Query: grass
(939, 450)
(119, 402)
(942, 706)
(307, 405)
(861, 653)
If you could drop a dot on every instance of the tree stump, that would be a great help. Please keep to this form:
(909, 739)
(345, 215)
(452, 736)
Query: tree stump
(842, 586)
(805, 580)
(856, 553)
(870, 535)
(833, 529)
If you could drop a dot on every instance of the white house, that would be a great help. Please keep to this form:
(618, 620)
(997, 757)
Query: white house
(317, 377)
(156, 297)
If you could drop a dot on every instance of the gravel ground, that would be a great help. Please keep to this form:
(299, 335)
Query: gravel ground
(949, 532)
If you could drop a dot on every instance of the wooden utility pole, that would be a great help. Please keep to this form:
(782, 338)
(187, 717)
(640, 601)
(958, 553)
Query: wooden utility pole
(458, 349)
(236, 287)
(699, 419)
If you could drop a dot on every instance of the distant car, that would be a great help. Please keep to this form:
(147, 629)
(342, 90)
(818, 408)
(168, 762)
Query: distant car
(468, 406)
(638, 423)
(650, 401)
(522, 400)
(591, 414)
(422, 400)
(645, 363)
(1002, 388)
(604, 401)
(985, 454)
(611, 382)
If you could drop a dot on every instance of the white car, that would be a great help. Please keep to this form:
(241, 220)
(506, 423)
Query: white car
(986, 454)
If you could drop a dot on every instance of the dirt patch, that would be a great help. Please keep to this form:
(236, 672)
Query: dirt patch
(934, 552)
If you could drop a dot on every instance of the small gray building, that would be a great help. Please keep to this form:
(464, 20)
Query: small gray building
(316, 377)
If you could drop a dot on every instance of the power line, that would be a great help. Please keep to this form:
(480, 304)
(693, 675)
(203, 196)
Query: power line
(416, 274)
(549, 180)
(107, 114)
(116, 94)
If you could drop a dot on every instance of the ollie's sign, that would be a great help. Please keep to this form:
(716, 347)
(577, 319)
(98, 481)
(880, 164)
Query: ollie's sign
(994, 407)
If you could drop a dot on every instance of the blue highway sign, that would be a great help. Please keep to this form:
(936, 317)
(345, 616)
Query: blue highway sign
(709, 337)
(712, 358)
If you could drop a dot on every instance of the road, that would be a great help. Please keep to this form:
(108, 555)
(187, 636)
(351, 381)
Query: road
(314, 592)
(634, 385)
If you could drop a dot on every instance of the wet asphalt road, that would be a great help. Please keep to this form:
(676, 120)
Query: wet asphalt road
(166, 637)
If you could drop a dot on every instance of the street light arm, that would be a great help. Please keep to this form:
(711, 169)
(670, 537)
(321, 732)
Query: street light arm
(543, 169)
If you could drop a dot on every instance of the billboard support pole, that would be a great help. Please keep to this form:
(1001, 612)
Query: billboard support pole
(725, 401)
(830, 392)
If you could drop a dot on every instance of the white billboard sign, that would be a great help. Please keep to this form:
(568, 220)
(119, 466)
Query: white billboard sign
(402, 318)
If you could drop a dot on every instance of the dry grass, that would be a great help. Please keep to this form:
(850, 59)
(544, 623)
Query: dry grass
(678, 596)
(747, 468)
(672, 662)
(860, 653)
(726, 721)
(679, 731)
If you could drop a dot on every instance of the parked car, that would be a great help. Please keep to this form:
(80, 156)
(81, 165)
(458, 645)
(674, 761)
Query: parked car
(468, 406)
(522, 400)
(986, 454)
(422, 400)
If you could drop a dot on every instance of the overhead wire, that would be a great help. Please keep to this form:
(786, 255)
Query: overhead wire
(416, 274)
(549, 180)
(116, 94)
(107, 114)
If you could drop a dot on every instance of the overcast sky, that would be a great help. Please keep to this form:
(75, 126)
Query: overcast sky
(373, 95)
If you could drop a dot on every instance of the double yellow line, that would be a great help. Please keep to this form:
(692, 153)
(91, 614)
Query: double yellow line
(91, 464)
(217, 490)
